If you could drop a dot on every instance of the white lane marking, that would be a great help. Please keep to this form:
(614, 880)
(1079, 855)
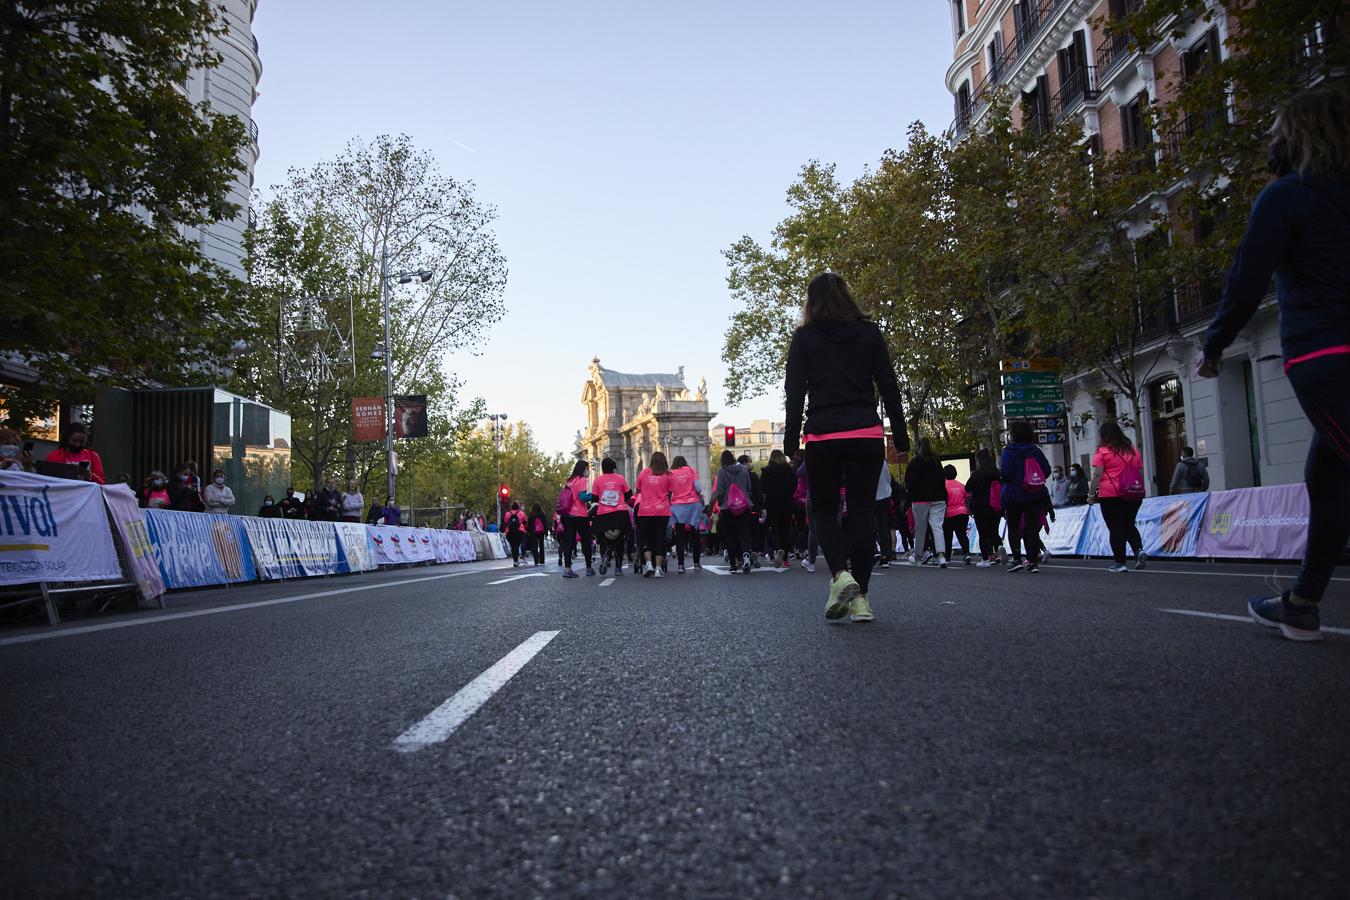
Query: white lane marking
(518, 577)
(108, 626)
(442, 721)
(607, 582)
(726, 570)
(1228, 618)
(1091, 568)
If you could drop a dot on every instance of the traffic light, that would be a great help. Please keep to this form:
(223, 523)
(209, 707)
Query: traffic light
(505, 493)
(730, 436)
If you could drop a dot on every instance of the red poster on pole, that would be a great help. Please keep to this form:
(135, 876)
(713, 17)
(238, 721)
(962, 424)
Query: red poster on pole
(367, 419)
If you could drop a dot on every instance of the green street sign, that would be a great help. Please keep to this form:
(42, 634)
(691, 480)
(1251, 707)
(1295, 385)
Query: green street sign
(1022, 410)
(1037, 393)
(1030, 379)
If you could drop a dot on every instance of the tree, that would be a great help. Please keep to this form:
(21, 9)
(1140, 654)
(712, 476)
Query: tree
(105, 167)
(468, 476)
(314, 269)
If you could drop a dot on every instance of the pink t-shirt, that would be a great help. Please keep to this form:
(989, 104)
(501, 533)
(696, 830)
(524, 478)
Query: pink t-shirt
(956, 499)
(1114, 465)
(610, 489)
(682, 485)
(655, 490)
(578, 485)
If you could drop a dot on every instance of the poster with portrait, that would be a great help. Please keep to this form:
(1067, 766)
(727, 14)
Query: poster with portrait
(410, 416)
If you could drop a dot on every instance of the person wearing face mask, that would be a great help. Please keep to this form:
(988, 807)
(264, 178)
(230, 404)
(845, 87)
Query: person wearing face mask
(292, 507)
(74, 451)
(184, 493)
(218, 497)
(269, 508)
(155, 494)
(13, 456)
(1058, 487)
(1078, 485)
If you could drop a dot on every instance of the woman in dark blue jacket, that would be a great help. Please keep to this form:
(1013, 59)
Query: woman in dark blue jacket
(1023, 497)
(1299, 230)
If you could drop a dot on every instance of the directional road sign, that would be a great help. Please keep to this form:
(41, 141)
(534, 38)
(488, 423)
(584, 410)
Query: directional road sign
(1033, 393)
(1044, 364)
(1021, 410)
(1031, 379)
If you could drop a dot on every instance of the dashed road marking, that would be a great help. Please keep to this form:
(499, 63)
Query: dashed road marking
(442, 721)
(1229, 618)
(607, 582)
(518, 577)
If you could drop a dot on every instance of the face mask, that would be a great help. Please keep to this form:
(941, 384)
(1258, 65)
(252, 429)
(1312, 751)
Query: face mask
(267, 501)
(9, 451)
(220, 481)
(185, 477)
(157, 482)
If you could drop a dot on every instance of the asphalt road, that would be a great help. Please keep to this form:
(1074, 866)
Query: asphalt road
(990, 735)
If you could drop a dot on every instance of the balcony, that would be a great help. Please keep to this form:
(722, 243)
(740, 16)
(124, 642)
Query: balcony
(1078, 88)
(1175, 139)
(1196, 302)
(1029, 31)
(253, 132)
(961, 124)
(1114, 51)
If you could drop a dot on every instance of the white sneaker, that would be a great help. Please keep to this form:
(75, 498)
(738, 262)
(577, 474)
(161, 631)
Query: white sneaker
(648, 569)
(913, 560)
(1116, 568)
(985, 564)
(808, 565)
(659, 574)
(942, 561)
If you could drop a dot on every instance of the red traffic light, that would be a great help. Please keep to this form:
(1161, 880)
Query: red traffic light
(505, 492)
(730, 436)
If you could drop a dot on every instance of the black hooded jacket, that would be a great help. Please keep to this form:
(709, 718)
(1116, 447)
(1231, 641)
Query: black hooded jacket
(837, 370)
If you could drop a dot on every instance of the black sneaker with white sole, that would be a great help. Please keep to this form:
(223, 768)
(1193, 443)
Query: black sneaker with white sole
(1297, 622)
(1015, 566)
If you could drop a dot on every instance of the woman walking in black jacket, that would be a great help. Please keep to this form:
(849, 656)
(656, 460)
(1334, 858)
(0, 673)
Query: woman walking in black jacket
(986, 506)
(838, 363)
(777, 483)
(1299, 231)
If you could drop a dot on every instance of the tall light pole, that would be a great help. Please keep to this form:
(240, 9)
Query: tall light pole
(497, 455)
(386, 350)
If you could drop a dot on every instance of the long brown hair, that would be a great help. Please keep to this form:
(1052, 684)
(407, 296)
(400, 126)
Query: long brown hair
(658, 464)
(1114, 437)
(1312, 131)
(828, 301)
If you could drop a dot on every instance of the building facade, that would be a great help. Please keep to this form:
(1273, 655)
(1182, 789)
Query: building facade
(629, 417)
(231, 89)
(1057, 59)
(756, 440)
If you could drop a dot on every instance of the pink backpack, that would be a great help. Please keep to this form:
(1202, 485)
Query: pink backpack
(737, 503)
(1033, 479)
(1131, 480)
(996, 495)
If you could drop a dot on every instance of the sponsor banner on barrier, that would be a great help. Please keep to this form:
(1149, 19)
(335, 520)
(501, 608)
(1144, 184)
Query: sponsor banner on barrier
(199, 549)
(129, 522)
(294, 548)
(1066, 530)
(1169, 526)
(54, 529)
(357, 547)
(1256, 523)
(401, 544)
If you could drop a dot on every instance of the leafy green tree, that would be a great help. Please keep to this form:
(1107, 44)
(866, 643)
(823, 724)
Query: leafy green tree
(314, 269)
(105, 167)
(467, 476)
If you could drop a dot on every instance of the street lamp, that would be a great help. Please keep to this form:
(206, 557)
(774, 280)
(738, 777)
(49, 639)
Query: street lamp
(497, 454)
(386, 350)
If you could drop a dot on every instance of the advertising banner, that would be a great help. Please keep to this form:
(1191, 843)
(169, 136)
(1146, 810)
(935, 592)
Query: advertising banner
(399, 544)
(410, 416)
(129, 523)
(200, 549)
(1256, 523)
(294, 548)
(367, 419)
(1169, 526)
(357, 547)
(1066, 530)
(452, 546)
(54, 529)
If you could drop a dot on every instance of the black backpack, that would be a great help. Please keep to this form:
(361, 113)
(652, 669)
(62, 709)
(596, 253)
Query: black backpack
(514, 522)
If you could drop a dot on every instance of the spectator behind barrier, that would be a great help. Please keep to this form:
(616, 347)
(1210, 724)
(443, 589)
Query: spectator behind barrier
(218, 496)
(292, 507)
(74, 451)
(15, 454)
(185, 490)
(353, 503)
(327, 506)
(155, 493)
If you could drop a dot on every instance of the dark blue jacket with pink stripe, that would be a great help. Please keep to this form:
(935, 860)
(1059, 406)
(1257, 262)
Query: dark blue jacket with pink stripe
(1300, 231)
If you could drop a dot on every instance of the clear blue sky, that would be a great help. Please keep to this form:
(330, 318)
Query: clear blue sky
(624, 144)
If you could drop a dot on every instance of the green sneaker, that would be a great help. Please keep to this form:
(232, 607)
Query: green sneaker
(842, 591)
(860, 610)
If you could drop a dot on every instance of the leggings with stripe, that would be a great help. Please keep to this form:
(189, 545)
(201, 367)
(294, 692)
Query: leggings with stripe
(1322, 387)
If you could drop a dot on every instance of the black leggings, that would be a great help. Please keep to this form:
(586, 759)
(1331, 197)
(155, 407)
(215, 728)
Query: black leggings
(686, 536)
(514, 538)
(960, 527)
(1322, 387)
(780, 526)
(1119, 515)
(576, 528)
(537, 545)
(1024, 527)
(652, 534)
(735, 534)
(986, 523)
(854, 464)
(615, 521)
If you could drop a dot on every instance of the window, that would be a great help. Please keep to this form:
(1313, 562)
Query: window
(959, 16)
(996, 58)
(1036, 105)
(1071, 63)
(763, 454)
(1134, 132)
